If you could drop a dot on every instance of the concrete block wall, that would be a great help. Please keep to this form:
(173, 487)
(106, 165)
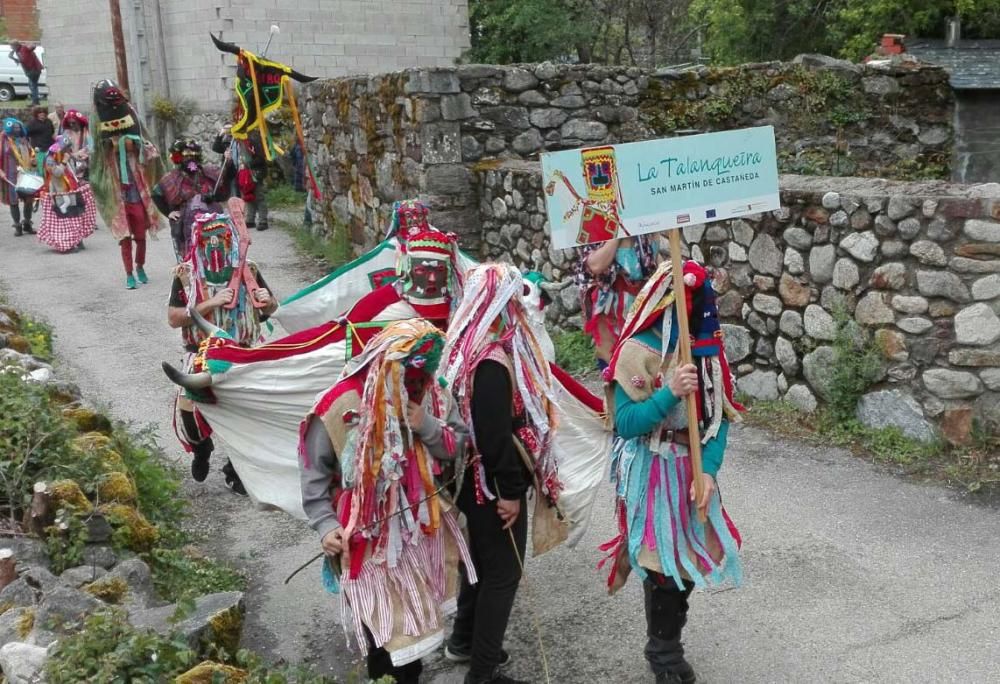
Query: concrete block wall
(325, 38)
(78, 49)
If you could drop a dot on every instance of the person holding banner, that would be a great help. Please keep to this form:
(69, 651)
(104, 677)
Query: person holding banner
(671, 540)
(609, 275)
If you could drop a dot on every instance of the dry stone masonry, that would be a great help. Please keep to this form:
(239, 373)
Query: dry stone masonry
(377, 139)
(915, 265)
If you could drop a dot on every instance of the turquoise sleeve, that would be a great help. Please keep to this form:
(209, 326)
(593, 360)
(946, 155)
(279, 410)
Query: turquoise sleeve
(636, 418)
(713, 452)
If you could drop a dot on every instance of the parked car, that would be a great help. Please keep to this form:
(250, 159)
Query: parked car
(13, 82)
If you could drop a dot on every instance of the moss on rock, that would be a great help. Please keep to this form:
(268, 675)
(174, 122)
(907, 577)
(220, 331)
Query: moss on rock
(132, 530)
(87, 420)
(226, 629)
(209, 672)
(108, 589)
(117, 488)
(67, 494)
(25, 623)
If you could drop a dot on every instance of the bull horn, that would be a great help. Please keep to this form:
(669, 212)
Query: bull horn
(189, 381)
(205, 326)
(231, 48)
(301, 78)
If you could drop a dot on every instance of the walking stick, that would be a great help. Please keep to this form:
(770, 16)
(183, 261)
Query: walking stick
(684, 357)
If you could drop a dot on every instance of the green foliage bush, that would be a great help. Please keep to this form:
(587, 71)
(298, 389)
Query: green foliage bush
(574, 351)
(110, 650)
(857, 364)
(34, 442)
(181, 574)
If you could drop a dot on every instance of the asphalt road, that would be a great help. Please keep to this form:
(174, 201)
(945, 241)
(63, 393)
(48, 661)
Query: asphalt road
(853, 575)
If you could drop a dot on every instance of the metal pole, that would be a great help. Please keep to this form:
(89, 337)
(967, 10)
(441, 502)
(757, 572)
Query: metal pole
(119, 41)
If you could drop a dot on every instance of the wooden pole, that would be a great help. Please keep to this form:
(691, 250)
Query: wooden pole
(683, 357)
(8, 571)
(119, 40)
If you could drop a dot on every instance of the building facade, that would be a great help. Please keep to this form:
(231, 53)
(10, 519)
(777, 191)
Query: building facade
(170, 54)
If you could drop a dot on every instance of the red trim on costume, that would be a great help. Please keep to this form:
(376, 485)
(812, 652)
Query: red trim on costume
(305, 341)
(576, 390)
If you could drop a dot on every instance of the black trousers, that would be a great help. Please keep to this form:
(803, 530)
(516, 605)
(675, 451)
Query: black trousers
(666, 614)
(15, 209)
(380, 665)
(484, 608)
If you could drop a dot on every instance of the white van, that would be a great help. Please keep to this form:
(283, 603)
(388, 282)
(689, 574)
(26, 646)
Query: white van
(13, 82)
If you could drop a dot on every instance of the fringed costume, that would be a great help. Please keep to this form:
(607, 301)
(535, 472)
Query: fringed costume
(179, 188)
(661, 536)
(607, 296)
(16, 157)
(68, 211)
(380, 483)
(122, 168)
(505, 391)
(216, 262)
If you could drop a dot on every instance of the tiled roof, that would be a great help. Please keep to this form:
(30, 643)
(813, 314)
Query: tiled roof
(971, 64)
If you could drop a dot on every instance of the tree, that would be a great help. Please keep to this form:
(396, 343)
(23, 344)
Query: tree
(508, 31)
(760, 30)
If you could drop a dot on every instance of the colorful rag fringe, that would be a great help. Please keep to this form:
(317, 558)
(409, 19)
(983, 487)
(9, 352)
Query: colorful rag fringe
(656, 516)
(491, 322)
(400, 526)
(658, 525)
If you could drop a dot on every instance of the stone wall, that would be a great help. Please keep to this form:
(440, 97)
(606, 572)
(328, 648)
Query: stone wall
(915, 265)
(381, 138)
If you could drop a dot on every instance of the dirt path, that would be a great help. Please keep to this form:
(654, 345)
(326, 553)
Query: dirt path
(852, 574)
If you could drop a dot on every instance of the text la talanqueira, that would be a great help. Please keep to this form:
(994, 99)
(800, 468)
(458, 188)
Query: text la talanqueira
(722, 167)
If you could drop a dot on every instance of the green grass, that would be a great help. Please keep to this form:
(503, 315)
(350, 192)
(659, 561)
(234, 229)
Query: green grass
(333, 252)
(975, 468)
(574, 351)
(284, 196)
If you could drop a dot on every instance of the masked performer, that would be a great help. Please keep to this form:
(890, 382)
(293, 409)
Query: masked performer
(504, 389)
(121, 169)
(236, 306)
(17, 157)
(298, 367)
(175, 193)
(68, 211)
(661, 536)
(76, 129)
(372, 450)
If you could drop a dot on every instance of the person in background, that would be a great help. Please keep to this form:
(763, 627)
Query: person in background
(41, 132)
(57, 117)
(16, 155)
(248, 153)
(76, 129)
(609, 275)
(24, 55)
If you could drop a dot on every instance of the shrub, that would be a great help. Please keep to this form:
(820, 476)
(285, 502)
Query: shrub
(574, 351)
(182, 574)
(857, 365)
(108, 649)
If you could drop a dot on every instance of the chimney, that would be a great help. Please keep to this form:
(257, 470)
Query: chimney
(954, 31)
(892, 44)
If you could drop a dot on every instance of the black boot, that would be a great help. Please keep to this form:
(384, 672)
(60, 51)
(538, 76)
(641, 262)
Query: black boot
(18, 232)
(200, 463)
(26, 226)
(233, 480)
(666, 615)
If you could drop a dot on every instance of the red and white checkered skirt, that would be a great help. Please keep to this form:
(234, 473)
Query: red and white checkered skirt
(62, 231)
